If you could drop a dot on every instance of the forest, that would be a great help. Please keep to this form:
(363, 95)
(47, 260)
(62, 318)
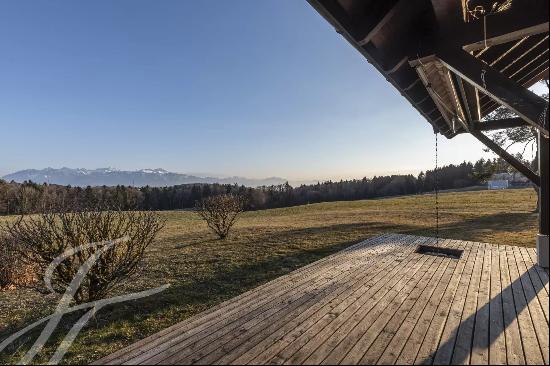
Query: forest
(30, 197)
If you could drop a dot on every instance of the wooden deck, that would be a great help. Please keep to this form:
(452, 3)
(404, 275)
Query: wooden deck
(375, 302)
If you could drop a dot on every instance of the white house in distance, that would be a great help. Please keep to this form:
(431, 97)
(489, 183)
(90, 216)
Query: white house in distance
(507, 180)
(497, 184)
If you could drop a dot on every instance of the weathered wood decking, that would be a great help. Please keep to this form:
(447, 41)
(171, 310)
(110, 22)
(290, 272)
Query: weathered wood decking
(376, 302)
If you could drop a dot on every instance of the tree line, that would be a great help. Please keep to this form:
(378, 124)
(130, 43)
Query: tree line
(30, 197)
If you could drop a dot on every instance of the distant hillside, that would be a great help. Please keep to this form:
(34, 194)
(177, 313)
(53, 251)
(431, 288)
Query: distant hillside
(138, 178)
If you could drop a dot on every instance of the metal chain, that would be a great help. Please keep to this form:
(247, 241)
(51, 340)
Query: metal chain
(436, 177)
(543, 117)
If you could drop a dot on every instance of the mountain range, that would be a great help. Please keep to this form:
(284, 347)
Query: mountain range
(138, 178)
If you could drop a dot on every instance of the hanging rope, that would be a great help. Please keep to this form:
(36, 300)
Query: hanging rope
(485, 30)
(436, 178)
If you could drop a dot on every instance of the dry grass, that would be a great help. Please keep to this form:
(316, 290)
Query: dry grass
(266, 244)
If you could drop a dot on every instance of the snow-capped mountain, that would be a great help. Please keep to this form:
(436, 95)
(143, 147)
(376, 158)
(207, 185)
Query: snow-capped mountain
(112, 177)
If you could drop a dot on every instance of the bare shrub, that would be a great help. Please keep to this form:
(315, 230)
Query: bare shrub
(14, 272)
(220, 212)
(41, 238)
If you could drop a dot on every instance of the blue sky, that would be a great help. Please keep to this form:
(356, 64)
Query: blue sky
(252, 88)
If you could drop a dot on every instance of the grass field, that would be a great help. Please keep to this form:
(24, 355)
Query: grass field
(265, 244)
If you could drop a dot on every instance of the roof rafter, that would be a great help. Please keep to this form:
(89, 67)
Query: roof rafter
(395, 35)
(508, 93)
(398, 9)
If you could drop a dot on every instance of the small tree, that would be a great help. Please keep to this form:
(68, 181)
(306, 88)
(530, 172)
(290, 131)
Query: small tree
(220, 212)
(41, 238)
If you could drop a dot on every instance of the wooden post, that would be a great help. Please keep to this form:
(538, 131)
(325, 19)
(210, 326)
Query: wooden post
(543, 249)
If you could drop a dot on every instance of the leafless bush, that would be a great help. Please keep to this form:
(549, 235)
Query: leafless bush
(41, 238)
(14, 272)
(220, 212)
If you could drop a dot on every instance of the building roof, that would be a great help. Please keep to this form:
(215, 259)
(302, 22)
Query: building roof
(403, 38)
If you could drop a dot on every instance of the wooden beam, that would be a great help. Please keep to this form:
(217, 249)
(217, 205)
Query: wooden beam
(433, 95)
(471, 95)
(499, 124)
(415, 83)
(460, 96)
(538, 77)
(525, 18)
(532, 45)
(333, 12)
(504, 55)
(398, 32)
(400, 7)
(406, 78)
(522, 73)
(478, 103)
(535, 74)
(526, 171)
(508, 93)
(475, 41)
(470, 108)
(397, 65)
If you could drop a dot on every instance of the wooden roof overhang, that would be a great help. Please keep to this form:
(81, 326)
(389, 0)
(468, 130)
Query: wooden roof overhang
(455, 69)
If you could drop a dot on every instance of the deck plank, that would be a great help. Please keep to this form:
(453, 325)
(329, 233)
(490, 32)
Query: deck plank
(302, 335)
(265, 349)
(214, 337)
(536, 280)
(543, 274)
(376, 302)
(463, 345)
(497, 339)
(421, 292)
(529, 340)
(444, 353)
(337, 345)
(419, 305)
(534, 306)
(426, 314)
(339, 329)
(441, 314)
(514, 347)
(480, 343)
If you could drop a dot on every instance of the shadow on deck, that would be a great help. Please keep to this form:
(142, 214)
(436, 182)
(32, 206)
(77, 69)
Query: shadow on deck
(375, 302)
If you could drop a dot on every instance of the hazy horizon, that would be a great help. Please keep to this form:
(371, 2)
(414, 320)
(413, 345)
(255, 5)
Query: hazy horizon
(366, 174)
(138, 84)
